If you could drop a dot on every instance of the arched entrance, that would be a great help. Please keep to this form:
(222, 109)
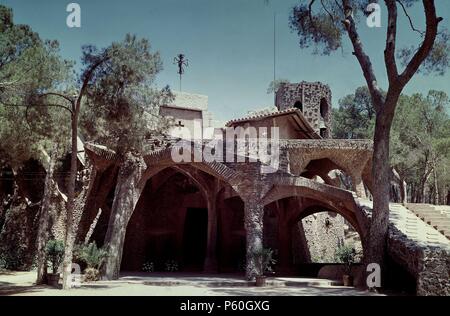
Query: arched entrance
(168, 229)
(305, 231)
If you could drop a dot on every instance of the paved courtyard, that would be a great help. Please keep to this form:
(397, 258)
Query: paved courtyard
(21, 283)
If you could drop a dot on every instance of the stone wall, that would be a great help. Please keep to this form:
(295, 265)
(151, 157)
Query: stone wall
(429, 265)
(312, 96)
(417, 248)
(324, 232)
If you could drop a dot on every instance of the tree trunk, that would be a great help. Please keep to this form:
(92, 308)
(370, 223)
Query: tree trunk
(44, 221)
(381, 178)
(423, 181)
(126, 196)
(403, 191)
(436, 187)
(70, 238)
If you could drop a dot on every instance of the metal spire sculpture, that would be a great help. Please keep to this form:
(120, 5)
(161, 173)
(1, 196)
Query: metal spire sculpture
(182, 63)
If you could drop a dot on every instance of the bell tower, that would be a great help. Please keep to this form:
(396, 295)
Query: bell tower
(313, 99)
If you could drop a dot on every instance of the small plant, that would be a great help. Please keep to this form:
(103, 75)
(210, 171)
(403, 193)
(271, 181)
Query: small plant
(148, 267)
(171, 266)
(93, 257)
(347, 255)
(55, 253)
(3, 263)
(267, 260)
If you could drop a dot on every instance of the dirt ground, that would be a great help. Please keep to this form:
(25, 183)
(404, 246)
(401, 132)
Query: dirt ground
(22, 283)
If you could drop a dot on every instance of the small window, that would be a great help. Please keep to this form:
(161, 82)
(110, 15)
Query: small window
(298, 105)
(323, 132)
(323, 108)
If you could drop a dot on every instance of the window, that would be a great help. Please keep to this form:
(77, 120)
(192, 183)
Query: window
(323, 108)
(298, 105)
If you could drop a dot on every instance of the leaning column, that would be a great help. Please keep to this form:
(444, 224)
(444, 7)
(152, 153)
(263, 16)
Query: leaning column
(126, 196)
(254, 213)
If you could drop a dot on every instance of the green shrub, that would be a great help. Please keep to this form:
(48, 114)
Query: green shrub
(3, 263)
(148, 267)
(171, 266)
(266, 257)
(55, 253)
(91, 255)
(347, 255)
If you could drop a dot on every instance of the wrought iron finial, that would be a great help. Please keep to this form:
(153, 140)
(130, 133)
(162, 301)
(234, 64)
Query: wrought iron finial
(182, 63)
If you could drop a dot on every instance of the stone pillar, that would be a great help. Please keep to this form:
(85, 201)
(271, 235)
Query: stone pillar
(126, 196)
(254, 214)
(210, 265)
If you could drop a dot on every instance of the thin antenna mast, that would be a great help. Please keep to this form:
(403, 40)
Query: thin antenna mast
(274, 57)
(181, 62)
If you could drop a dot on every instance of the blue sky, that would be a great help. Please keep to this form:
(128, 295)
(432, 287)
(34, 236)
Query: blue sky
(229, 44)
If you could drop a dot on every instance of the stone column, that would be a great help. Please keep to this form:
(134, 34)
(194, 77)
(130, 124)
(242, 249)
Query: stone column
(254, 214)
(126, 196)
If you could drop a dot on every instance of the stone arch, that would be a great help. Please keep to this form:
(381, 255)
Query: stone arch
(324, 178)
(327, 215)
(323, 166)
(162, 159)
(286, 233)
(174, 240)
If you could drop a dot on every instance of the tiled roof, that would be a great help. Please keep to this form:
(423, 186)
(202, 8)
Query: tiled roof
(292, 111)
(261, 116)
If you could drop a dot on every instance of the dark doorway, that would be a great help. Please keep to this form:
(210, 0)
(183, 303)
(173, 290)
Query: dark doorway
(194, 241)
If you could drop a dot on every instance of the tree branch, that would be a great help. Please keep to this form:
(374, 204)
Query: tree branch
(432, 22)
(87, 78)
(327, 11)
(363, 58)
(38, 105)
(58, 95)
(409, 18)
(391, 39)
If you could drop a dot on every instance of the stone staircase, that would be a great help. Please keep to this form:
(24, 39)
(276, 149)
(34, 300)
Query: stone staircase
(437, 216)
(418, 241)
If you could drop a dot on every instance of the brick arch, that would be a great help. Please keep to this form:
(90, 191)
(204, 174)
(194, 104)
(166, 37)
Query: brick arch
(325, 178)
(139, 210)
(198, 180)
(296, 186)
(319, 207)
(164, 158)
(322, 167)
(339, 200)
(330, 162)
